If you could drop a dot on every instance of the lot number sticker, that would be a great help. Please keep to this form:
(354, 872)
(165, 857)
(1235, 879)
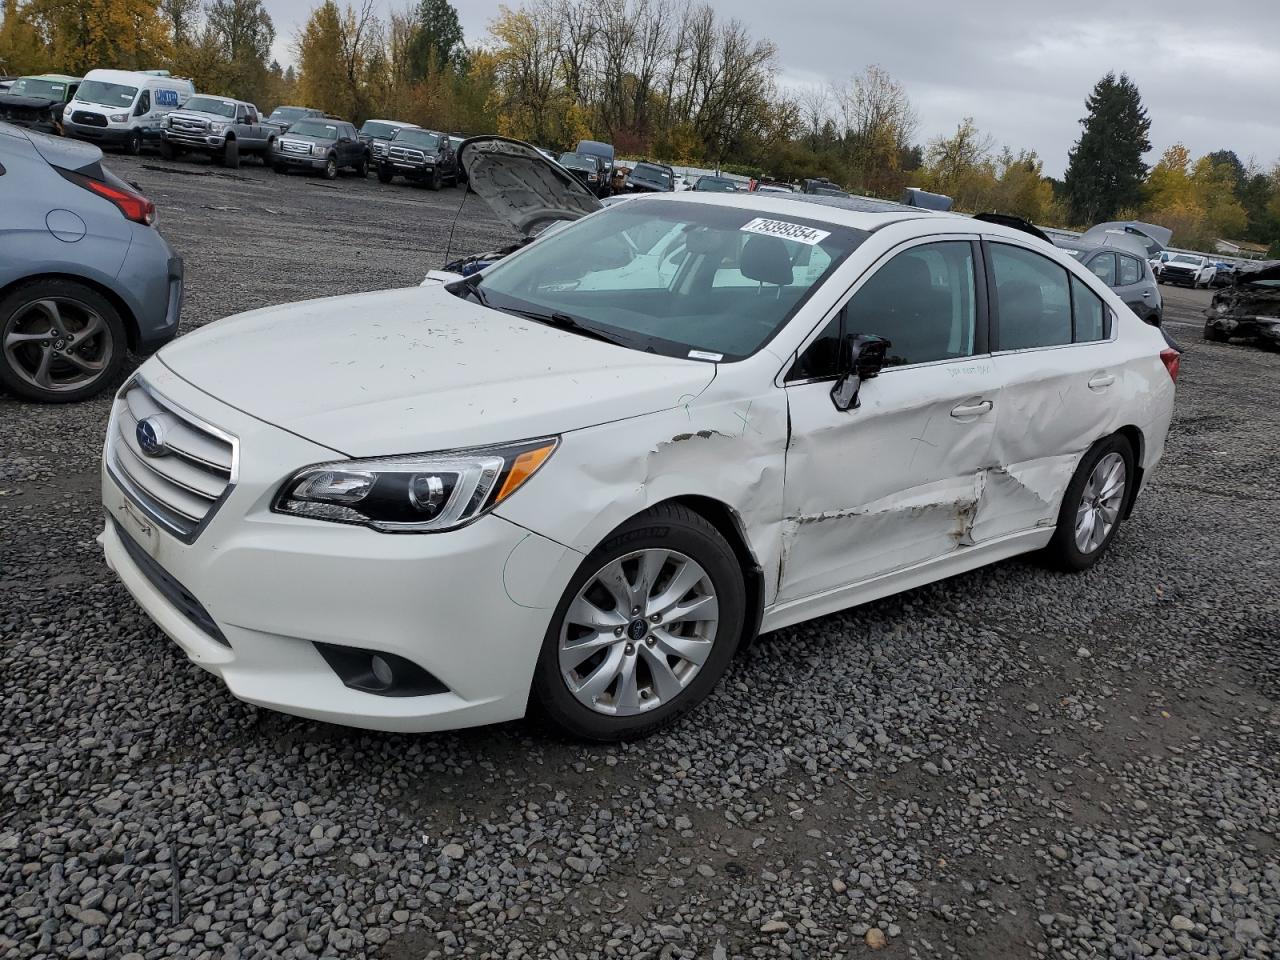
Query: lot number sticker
(786, 231)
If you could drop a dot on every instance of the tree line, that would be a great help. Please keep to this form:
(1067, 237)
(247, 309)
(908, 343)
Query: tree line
(664, 79)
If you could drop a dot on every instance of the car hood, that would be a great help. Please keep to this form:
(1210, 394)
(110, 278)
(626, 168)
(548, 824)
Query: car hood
(521, 186)
(201, 115)
(307, 138)
(14, 101)
(416, 370)
(1155, 237)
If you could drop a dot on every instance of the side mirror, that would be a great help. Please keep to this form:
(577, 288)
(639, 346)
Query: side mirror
(864, 359)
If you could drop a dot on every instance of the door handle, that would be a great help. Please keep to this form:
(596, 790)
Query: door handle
(1102, 381)
(972, 409)
(1146, 294)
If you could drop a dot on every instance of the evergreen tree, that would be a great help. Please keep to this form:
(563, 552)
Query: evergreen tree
(437, 40)
(1105, 169)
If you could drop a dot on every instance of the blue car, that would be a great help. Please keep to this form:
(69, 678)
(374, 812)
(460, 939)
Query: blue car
(85, 276)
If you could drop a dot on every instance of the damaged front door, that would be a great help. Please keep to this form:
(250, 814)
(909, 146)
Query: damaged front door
(895, 481)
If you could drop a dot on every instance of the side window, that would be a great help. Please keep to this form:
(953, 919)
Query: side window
(1130, 271)
(1088, 312)
(923, 301)
(144, 104)
(1032, 297)
(240, 113)
(1104, 268)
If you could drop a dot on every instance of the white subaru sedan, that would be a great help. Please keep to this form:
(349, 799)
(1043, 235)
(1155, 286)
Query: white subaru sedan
(589, 473)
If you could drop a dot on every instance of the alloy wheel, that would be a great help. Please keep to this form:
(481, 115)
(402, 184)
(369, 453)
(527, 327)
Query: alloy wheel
(57, 344)
(638, 632)
(1100, 503)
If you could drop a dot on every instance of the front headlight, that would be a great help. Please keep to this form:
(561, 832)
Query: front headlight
(119, 118)
(215, 127)
(424, 493)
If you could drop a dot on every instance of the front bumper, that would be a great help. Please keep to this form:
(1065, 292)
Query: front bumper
(470, 606)
(194, 141)
(303, 161)
(1265, 329)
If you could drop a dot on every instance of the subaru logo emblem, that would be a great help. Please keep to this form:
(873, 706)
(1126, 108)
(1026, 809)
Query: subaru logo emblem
(150, 434)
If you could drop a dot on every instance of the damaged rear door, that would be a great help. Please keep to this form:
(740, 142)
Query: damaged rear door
(895, 481)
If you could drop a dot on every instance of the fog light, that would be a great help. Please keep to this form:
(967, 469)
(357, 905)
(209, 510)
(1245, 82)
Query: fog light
(378, 672)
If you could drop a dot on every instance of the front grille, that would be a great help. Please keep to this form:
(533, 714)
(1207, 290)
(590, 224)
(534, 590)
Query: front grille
(182, 484)
(85, 118)
(295, 146)
(182, 599)
(406, 155)
(188, 124)
(379, 148)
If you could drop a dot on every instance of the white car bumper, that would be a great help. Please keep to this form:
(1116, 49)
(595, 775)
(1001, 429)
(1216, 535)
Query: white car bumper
(470, 606)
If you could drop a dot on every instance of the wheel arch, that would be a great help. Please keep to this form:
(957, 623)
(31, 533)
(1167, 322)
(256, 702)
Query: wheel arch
(1138, 444)
(729, 525)
(121, 306)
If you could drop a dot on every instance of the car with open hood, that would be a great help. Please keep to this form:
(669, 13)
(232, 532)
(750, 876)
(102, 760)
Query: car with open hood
(37, 102)
(1249, 308)
(593, 472)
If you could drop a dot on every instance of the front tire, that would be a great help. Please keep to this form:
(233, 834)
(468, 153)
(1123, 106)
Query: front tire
(166, 151)
(385, 174)
(1094, 505)
(362, 168)
(434, 182)
(331, 168)
(60, 341)
(231, 155)
(133, 145)
(645, 629)
(1213, 334)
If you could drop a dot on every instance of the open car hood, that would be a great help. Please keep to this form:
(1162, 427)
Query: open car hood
(521, 186)
(1253, 272)
(1157, 236)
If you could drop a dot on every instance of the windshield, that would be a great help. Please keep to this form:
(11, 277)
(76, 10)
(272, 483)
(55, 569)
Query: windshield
(220, 108)
(577, 161)
(1183, 258)
(288, 113)
(106, 94)
(657, 176)
(673, 277)
(34, 87)
(419, 138)
(377, 128)
(716, 185)
(315, 128)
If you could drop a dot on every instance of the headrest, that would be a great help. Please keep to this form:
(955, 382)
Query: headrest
(766, 260)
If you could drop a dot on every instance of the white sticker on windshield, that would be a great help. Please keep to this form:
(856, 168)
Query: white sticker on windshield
(705, 355)
(786, 231)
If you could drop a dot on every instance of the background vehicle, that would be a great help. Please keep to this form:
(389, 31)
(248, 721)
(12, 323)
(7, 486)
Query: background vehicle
(821, 186)
(321, 145)
(1224, 274)
(422, 156)
(590, 170)
(916, 197)
(648, 177)
(37, 102)
(1188, 270)
(220, 127)
(84, 274)
(284, 117)
(455, 142)
(1158, 261)
(710, 184)
(1125, 272)
(605, 153)
(123, 107)
(1249, 308)
(376, 134)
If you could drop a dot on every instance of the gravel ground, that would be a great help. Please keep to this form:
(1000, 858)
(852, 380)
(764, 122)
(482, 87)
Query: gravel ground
(1012, 763)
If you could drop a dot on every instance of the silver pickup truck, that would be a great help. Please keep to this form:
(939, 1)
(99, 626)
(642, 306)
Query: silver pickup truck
(223, 128)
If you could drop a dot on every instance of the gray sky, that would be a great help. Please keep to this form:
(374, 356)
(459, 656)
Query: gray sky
(1209, 73)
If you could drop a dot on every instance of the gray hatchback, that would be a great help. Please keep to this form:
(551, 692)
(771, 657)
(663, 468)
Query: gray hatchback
(84, 274)
(1125, 272)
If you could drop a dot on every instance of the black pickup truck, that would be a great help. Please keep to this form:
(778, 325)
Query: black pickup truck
(37, 102)
(423, 156)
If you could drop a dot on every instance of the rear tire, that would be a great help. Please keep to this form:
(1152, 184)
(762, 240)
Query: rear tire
(657, 696)
(362, 168)
(267, 155)
(42, 368)
(1079, 540)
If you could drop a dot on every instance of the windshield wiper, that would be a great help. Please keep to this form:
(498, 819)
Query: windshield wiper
(471, 285)
(562, 321)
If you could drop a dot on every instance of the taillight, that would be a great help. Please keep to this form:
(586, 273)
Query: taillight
(1172, 361)
(134, 206)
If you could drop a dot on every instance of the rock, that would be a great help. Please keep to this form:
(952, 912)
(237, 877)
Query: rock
(775, 926)
(94, 918)
(875, 938)
(1179, 922)
(838, 885)
(1059, 852)
(454, 851)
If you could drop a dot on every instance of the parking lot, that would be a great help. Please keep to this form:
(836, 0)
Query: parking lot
(1010, 763)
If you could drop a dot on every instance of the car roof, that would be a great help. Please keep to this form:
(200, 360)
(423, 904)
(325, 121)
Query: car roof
(131, 76)
(394, 123)
(49, 76)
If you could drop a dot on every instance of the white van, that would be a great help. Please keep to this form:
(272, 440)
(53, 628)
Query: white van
(123, 107)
